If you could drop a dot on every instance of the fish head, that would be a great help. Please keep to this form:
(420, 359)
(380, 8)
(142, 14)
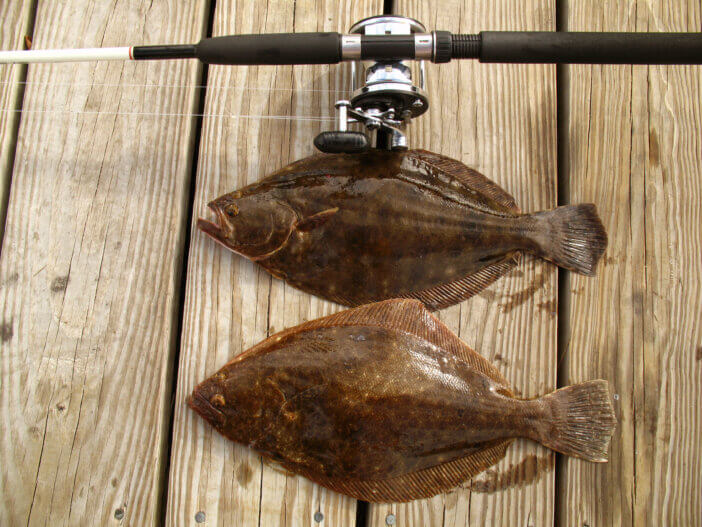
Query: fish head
(209, 399)
(255, 226)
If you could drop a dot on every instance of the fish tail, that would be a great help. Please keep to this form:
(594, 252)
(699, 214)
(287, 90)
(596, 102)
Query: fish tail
(579, 421)
(572, 237)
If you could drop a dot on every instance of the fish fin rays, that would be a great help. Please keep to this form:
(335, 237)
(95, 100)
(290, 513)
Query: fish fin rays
(445, 295)
(411, 316)
(470, 178)
(315, 220)
(583, 419)
(416, 485)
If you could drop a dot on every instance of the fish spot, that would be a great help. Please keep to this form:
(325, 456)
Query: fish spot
(698, 353)
(244, 473)
(6, 330)
(523, 473)
(518, 298)
(12, 279)
(114, 482)
(59, 284)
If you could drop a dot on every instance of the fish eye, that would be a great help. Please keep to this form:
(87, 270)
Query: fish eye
(231, 210)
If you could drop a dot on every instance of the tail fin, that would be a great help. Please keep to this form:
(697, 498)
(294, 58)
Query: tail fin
(572, 237)
(582, 421)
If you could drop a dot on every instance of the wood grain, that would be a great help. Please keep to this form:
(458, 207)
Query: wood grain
(500, 120)
(89, 274)
(634, 148)
(15, 21)
(231, 303)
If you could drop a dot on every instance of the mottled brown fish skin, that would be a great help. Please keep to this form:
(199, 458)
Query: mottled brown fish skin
(362, 402)
(329, 401)
(366, 227)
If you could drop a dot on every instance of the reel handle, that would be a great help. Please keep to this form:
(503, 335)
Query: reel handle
(342, 142)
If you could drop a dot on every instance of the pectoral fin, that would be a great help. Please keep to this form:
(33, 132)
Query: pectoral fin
(316, 220)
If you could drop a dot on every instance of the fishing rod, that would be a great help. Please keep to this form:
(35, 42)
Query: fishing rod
(384, 97)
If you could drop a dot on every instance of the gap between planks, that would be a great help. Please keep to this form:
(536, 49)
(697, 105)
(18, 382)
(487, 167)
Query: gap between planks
(183, 269)
(563, 193)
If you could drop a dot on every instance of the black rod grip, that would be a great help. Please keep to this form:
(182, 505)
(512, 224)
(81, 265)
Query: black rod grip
(591, 48)
(271, 49)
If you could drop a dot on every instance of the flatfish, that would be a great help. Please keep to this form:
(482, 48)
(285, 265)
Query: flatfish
(358, 228)
(384, 403)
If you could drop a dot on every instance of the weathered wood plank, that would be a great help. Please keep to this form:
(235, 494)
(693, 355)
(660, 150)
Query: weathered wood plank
(90, 269)
(502, 121)
(232, 304)
(634, 148)
(15, 21)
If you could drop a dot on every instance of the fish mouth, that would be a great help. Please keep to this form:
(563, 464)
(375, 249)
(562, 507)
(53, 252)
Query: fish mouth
(214, 229)
(209, 227)
(199, 402)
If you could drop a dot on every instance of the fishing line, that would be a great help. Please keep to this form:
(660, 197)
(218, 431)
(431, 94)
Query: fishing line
(168, 86)
(172, 114)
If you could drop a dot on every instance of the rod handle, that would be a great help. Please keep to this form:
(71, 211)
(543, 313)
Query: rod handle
(590, 48)
(272, 49)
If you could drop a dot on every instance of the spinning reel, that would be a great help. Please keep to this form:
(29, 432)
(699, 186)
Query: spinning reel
(387, 98)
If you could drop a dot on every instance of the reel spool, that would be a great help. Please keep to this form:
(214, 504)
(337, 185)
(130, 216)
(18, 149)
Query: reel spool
(384, 98)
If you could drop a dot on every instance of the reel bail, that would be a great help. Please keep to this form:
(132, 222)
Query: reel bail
(387, 98)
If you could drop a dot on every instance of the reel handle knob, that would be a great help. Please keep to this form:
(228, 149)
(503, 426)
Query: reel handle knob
(337, 142)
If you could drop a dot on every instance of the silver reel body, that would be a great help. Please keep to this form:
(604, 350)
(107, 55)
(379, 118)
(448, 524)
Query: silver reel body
(384, 98)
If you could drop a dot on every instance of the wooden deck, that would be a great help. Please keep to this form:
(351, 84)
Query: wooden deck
(112, 306)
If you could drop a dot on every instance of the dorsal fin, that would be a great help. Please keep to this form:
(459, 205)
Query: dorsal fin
(469, 177)
(407, 315)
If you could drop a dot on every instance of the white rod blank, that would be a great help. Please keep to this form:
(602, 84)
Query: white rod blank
(64, 55)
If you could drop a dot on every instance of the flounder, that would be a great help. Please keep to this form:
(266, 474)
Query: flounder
(358, 228)
(384, 403)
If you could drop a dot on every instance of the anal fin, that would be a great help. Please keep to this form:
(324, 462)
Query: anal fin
(416, 485)
(446, 295)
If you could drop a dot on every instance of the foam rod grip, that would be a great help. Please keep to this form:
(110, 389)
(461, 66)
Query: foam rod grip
(271, 49)
(591, 48)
